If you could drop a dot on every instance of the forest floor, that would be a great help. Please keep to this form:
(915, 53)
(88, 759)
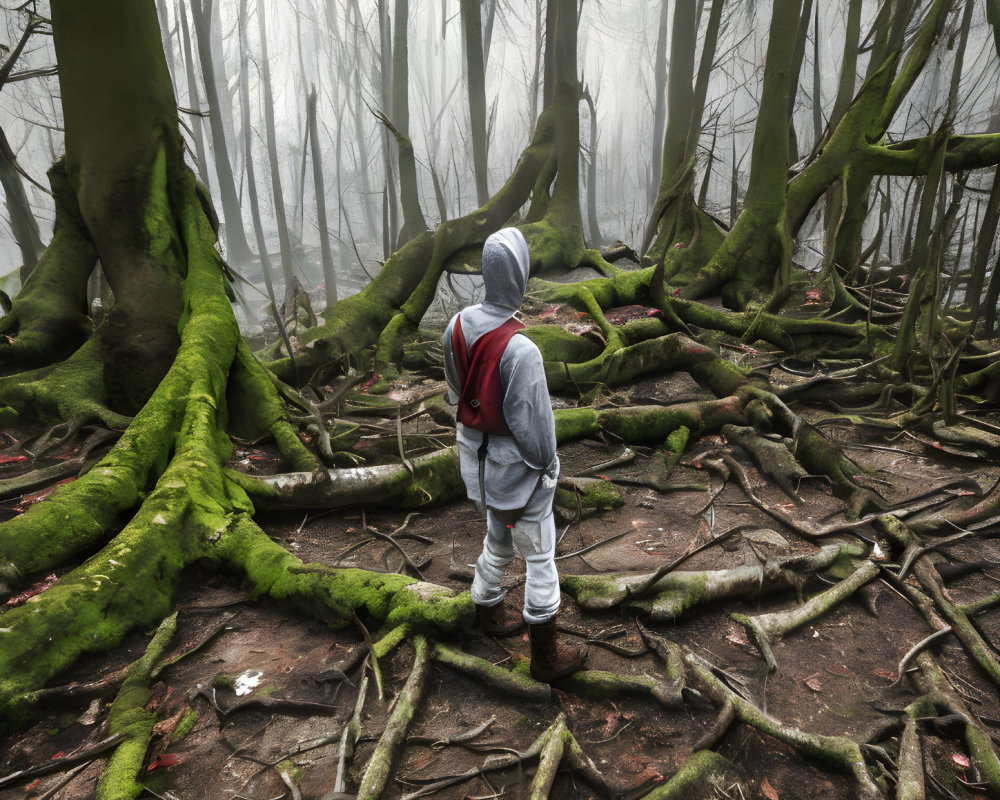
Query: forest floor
(833, 675)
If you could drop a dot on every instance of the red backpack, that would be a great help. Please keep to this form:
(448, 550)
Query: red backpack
(480, 404)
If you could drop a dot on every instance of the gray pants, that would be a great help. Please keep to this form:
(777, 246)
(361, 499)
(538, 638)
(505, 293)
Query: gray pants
(533, 536)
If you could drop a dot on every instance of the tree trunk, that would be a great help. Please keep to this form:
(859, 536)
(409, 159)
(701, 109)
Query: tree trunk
(329, 275)
(23, 224)
(122, 153)
(476, 73)
(237, 248)
(659, 97)
(284, 242)
(266, 268)
(194, 98)
(413, 217)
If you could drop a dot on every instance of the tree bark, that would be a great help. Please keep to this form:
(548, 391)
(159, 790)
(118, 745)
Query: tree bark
(237, 248)
(476, 73)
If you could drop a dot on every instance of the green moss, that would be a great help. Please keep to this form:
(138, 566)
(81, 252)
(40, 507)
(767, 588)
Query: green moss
(695, 779)
(677, 441)
(185, 726)
(223, 681)
(290, 769)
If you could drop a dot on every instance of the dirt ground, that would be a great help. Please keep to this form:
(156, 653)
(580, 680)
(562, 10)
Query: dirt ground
(832, 678)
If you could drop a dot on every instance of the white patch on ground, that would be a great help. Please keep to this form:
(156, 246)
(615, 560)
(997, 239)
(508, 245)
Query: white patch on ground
(247, 682)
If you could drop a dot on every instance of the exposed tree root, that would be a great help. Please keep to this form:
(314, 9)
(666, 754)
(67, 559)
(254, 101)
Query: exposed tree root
(764, 628)
(977, 647)
(407, 702)
(46, 476)
(838, 751)
(932, 681)
(697, 778)
(678, 593)
(507, 682)
(130, 718)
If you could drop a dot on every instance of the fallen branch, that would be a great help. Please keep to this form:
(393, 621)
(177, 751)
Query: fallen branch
(63, 763)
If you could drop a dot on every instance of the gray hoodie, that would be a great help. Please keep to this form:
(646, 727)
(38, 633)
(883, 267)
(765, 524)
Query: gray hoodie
(514, 463)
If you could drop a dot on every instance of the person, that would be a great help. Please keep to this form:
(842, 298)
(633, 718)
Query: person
(507, 453)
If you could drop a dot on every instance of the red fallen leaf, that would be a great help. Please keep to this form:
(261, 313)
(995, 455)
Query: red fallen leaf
(677, 292)
(8, 458)
(768, 790)
(167, 760)
(549, 311)
(885, 673)
(368, 384)
(33, 784)
(964, 493)
(696, 464)
(604, 477)
(652, 312)
(678, 245)
(961, 760)
(27, 594)
(350, 530)
(839, 669)
(305, 437)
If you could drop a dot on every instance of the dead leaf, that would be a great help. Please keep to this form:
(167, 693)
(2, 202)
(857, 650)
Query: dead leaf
(768, 790)
(885, 673)
(167, 760)
(962, 760)
(813, 683)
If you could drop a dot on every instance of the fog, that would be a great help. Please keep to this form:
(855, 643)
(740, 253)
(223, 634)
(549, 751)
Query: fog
(337, 47)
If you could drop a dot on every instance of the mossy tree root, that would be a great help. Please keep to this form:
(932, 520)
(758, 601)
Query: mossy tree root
(765, 628)
(677, 593)
(600, 683)
(934, 683)
(406, 706)
(337, 595)
(695, 778)
(910, 771)
(435, 477)
(508, 682)
(837, 751)
(70, 391)
(923, 568)
(128, 716)
(774, 458)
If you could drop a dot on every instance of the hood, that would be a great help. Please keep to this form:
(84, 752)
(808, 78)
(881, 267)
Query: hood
(506, 264)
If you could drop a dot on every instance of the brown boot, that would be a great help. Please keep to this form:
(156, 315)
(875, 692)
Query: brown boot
(551, 660)
(499, 620)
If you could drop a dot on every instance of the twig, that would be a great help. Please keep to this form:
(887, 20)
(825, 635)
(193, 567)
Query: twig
(63, 762)
(593, 546)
